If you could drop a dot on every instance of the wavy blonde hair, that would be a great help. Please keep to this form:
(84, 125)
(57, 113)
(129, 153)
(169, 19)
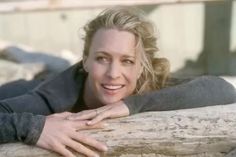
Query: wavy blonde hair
(155, 70)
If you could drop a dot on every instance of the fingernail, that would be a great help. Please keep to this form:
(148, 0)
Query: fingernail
(89, 122)
(105, 148)
(105, 124)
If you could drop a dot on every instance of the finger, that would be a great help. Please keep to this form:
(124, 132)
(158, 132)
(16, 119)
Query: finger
(82, 125)
(63, 151)
(89, 141)
(80, 148)
(100, 117)
(63, 114)
(88, 114)
(116, 110)
(98, 125)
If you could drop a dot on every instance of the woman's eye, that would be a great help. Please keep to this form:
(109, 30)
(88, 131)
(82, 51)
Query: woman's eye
(127, 61)
(102, 59)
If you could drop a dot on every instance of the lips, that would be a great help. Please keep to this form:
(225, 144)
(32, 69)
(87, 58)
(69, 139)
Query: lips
(112, 87)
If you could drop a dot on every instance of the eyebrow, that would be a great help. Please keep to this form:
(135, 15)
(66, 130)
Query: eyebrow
(107, 54)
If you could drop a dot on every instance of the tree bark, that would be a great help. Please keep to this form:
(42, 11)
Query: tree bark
(199, 132)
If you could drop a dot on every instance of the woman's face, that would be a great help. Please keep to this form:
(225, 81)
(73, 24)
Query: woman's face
(113, 66)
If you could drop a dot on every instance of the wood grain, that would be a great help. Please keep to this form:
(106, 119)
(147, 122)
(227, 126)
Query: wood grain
(200, 132)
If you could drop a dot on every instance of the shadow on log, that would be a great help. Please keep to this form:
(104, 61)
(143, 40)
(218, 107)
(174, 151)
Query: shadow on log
(199, 132)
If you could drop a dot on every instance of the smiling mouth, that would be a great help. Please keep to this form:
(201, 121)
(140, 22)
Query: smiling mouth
(112, 87)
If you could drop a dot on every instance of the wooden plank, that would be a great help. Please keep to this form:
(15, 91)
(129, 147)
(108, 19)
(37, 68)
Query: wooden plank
(200, 132)
(34, 5)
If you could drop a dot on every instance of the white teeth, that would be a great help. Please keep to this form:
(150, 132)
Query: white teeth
(112, 87)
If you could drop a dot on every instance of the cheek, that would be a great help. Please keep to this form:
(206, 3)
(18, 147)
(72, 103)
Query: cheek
(96, 72)
(132, 76)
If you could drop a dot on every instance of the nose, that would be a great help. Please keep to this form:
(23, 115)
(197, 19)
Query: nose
(114, 70)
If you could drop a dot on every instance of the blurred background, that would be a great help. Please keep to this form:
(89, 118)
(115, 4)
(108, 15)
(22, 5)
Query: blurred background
(43, 37)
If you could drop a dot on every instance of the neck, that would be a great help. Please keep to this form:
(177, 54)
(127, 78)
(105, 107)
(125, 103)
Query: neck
(89, 97)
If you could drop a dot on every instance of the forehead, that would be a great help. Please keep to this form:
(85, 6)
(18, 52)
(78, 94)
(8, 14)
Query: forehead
(113, 41)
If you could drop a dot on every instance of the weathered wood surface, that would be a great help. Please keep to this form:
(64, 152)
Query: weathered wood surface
(201, 132)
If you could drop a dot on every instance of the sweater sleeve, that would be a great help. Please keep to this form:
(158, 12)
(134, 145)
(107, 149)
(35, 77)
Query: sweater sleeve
(24, 127)
(54, 95)
(21, 117)
(200, 92)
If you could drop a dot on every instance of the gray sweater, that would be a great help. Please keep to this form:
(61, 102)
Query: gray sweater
(22, 118)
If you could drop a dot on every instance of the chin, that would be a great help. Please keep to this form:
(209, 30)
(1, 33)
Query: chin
(107, 101)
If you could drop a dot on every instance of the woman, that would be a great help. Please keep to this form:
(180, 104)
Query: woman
(118, 61)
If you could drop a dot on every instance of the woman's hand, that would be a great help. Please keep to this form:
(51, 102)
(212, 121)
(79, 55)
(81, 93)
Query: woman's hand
(59, 134)
(118, 109)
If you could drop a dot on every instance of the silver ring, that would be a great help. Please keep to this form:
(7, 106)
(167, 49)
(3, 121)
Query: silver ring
(67, 118)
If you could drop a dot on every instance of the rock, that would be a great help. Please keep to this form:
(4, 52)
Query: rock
(11, 71)
(52, 63)
(230, 79)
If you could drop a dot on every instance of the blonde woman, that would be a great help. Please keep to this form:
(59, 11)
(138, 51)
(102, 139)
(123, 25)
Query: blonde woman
(118, 76)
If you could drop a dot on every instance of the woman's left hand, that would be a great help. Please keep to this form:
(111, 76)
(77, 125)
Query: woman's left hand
(118, 109)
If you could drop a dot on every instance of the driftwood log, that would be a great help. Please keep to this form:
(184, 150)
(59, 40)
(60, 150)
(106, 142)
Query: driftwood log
(199, 132)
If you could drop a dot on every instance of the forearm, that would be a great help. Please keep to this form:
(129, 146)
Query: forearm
(15, 127)
(203, 91)
(24, 127)
(30, 102)
(57, 94)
